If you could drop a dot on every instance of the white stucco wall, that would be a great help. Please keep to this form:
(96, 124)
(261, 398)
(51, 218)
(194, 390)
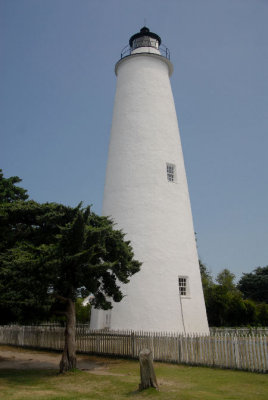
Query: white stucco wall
(154, 213)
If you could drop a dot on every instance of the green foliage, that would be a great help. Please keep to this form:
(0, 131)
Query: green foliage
(9, 192)
(51, 255)
(225, 303)
(254, 285)
(50, 252)
(27, 233)
(82, 311)
(91, 255)
(206, 276)
(226, 278)
(262, 313)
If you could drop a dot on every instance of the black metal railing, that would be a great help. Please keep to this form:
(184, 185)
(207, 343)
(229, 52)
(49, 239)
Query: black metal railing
(164, 51)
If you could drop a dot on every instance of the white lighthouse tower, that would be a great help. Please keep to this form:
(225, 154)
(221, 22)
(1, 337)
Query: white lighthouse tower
(146, 194)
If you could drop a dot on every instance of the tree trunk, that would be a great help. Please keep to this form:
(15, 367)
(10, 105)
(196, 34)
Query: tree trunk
(148, 378)
(68, 360)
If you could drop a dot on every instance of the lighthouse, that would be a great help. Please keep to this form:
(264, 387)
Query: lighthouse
(146, 194)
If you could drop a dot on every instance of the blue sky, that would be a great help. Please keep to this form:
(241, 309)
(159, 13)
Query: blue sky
(57, 88)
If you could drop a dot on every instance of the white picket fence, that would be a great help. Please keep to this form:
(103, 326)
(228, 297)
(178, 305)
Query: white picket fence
(245, 352)
(240, 330)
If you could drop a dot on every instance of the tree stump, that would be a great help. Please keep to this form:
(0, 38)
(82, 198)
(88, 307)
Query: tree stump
(148, 378)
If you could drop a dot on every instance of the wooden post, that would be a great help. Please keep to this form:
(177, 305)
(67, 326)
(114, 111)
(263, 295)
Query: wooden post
(132, 344)
(148, 378)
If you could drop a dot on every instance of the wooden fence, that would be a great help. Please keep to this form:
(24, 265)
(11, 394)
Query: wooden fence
(245, 352)
(240, 331)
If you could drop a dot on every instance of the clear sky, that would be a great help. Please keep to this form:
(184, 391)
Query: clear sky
(57, 88)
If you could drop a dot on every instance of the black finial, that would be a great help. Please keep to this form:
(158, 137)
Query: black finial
(144, 30)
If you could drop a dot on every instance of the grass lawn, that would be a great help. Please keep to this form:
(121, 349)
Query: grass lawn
(119, 379)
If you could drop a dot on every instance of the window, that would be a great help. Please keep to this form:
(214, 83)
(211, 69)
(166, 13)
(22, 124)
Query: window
(171, 172)
(145, 41)
(183, 285)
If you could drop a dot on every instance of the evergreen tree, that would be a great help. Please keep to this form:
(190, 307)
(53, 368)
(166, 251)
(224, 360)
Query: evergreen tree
(52, 255)
(254, 285)
(226, 278)
(225, 304)
(9, 191)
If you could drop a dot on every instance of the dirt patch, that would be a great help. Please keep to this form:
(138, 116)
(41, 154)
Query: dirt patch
(17, 358)
(101, 371)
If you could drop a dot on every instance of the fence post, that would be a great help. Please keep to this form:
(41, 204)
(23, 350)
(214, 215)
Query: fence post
(265, 354)
(132, 344)
(236, 352)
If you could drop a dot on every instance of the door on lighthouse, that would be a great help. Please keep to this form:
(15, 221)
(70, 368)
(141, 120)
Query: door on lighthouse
(107, 319)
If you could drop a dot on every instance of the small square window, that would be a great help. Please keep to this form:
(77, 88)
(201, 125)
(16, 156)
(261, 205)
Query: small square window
(171, 172)
(183, 285)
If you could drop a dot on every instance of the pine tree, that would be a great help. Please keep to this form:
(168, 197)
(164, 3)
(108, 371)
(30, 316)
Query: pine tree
(54, 254)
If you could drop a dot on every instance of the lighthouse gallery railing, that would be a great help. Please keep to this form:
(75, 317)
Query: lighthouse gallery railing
(164, 51)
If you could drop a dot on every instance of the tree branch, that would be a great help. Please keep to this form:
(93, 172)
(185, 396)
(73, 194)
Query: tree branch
(58, 296)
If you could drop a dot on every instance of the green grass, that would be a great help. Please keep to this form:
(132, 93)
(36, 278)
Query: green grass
(119, 379)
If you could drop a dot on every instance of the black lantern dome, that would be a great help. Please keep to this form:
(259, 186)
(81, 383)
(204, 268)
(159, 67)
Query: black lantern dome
(144, 38)
(145, 42)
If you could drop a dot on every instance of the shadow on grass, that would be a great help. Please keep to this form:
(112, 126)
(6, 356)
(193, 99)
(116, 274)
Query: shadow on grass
(26, 376)
(145, 393)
